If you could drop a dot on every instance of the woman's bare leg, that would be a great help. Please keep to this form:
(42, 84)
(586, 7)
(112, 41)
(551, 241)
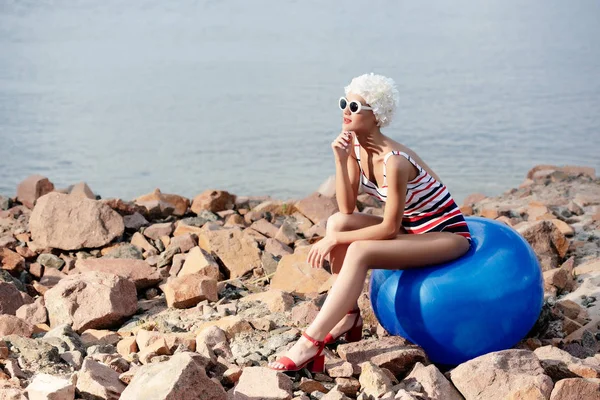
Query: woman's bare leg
(405, 251)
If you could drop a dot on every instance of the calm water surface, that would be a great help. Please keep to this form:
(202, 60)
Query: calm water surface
(241, 95)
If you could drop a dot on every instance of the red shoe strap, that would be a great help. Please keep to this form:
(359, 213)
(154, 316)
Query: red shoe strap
(354, 311)
(313, 341)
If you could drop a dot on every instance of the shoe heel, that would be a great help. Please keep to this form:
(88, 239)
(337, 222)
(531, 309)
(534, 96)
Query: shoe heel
(354, 334)
(318, 364)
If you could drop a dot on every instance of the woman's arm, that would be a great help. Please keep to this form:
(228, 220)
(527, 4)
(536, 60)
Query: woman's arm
(346, 178)
(398, 170)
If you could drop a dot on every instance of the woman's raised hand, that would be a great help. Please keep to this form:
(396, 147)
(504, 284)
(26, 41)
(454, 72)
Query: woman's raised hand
(342, 145)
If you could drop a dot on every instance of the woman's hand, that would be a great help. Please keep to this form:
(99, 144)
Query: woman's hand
(342, 145)
(319, 250)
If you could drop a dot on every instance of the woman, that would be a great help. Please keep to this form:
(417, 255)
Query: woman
(421, 225)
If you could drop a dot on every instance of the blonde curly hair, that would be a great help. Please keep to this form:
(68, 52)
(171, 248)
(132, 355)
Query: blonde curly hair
(379, 92)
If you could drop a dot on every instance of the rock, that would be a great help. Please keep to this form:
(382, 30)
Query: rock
(373, 381)
(337, 368)
(32, 188)
(549, 244)
(50, 261)
(51, 277)
(34, 313)
(125, 207)
(48, 387)
(124, 250)
(348, 386)
(34, 354)
(137, 271)
(432, 383)
(181, 377)
(232, 325)
(93, 337)
(287, 234)
(11, 261)
(213, 200)
(185, 242)
(187, 291)
(238, 253)
(140, 241)
(576, 388)
(473, 198)
(265, 227)
(91, 300)
(542, 171)
(559, 278)
(10, 298)
(83, 190)
(364, 350)
(135, 221)
(155, 231)
(11, 325)
(501, 375)
(211, 336)
(68, 339)
(559, 364)
(71, 223)
(178, 204)
(587, 267)
(303, 314)
(276, 300)
(257, 383)
(98, 381)
(317, 207)
(200, 262)
(295, 274)
(127, 346)
(277, 248)
(10, 392)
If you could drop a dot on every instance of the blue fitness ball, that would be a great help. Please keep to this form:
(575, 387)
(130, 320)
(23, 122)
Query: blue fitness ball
(487, 300)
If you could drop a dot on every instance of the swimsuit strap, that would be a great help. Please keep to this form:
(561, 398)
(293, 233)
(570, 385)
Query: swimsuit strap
(398, 153)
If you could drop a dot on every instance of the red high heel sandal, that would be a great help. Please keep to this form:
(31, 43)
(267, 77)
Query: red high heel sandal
(317, 362)
(354, 334)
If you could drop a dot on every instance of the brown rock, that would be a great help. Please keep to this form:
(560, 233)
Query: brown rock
(432, 383)
(83, 190)
(96, 380)
(51, 277)
(265, 227)
(490, 213)
(135, 221)
(563, 227)
(155, 231)
(10, 298)
(287, 234)
(178, 204)
(91, 300)
(232, 325)
(235, 220)
(200, 262)
(567, 169)
(92, 337)
(276, 300)
(32, 188)
(473, 198)
(295, 274)
(34, 313)
(48, 387)
(187, 291)
(303, 314)
(156, 348)
(277, 248)
(515, 374)
(137, 271)
(549, 244)
(213, 200)
(182, 377)
(365, 350)
(348, 386)
(238, 253)
(373, 381)
(400, 361)
(311, 385)
(559, 364)
(590, 266)
(11, 261)
(127, 346)
(257, 383)
(11, 325)
(559, 278)
(184, 242)
(71, 223)
(576, 389)
(140, 241)
(317, 207)
(338, 368)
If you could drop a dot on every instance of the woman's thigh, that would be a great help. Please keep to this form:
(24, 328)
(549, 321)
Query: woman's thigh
(408, 250)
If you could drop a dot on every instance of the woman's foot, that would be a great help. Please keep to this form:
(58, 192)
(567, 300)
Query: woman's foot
(301, 351)
(345, 324)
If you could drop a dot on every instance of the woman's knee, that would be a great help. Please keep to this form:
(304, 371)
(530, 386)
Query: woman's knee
(337, 222)
(357, 251)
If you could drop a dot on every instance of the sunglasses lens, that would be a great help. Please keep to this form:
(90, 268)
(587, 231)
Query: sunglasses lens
(353, 106)
(343, 104)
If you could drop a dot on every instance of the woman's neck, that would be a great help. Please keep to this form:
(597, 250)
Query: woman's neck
(373, 141)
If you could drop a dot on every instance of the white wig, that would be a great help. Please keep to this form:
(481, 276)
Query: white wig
(379, 92)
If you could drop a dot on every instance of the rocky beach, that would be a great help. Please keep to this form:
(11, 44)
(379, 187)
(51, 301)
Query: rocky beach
(165, 297)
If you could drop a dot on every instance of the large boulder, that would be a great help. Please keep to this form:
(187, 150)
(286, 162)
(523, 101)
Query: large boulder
(183, 376)
(71, 223)
(506, 374)
(295, 274)
(137, 271)
(91, 300)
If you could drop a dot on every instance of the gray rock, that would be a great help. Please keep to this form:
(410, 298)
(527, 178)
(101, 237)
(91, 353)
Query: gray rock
(5, 203)
(125, 251)
(65, 333)
(50, 261)
(35, 354)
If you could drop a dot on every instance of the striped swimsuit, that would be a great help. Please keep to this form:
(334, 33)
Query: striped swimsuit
(429, 207)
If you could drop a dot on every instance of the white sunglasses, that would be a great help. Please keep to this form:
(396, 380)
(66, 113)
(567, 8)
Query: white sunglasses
(355, 106)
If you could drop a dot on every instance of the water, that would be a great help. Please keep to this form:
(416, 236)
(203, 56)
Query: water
(242, 95)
